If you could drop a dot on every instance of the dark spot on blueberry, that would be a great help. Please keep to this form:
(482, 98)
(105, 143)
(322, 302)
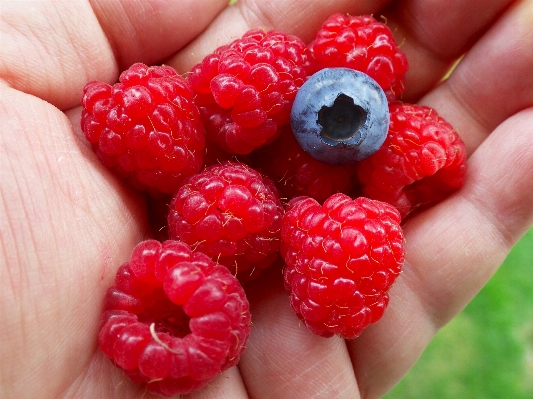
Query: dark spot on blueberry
(342, 120)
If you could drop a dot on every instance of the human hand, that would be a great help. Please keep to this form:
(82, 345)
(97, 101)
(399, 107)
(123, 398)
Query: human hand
(68, 223)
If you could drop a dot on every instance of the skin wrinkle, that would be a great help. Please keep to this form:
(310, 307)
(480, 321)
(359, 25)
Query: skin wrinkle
(35, 270)
(97, 364)
(39, 249)
(430, 36)
(317, 369)
(413, 338)
(508, 52)
(77, 50)
(422, 284)
(66, 35)
(10, 232)
(455, 85)
(113, 47)
(432, 61)
(253, 14)
(8, 75)
(43, 36)
(52, 65)
(309, 373)
(10, 299)
(412, 279)
(498, 215)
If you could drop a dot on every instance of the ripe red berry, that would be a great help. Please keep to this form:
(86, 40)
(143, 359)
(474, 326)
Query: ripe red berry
(174, 319)
(363, 44)
(245, 89)
(297, 173)
(422, 160)
(341, 259)
(231, 213)
(146, 127)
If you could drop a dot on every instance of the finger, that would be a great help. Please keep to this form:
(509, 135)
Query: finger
(299, 18)
(452, 250)
(283, 359)
(149, 31)
(227, 385)
(101, 379)
(65, 226)
(493, 81)
(434, 33)
(51, 49)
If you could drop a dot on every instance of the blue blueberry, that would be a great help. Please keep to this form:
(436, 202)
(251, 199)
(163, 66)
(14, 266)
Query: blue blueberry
(340, 116)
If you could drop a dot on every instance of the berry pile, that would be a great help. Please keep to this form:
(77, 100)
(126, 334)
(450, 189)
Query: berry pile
(269, 149)
(298, 173)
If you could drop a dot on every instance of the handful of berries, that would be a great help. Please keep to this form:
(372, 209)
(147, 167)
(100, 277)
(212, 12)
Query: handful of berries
(269, 148)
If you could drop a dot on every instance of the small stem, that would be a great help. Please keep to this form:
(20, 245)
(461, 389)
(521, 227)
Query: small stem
(158, 340)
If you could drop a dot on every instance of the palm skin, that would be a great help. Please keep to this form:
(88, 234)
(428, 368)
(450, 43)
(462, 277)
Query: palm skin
(68, 223)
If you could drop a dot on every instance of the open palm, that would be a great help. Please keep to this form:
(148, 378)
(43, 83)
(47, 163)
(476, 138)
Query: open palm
(67, 223)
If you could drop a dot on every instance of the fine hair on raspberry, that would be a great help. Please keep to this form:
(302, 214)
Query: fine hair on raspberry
(297, 173)
(231, 213)
(361, 43)
(341, 259)
(174, 319)
(422, 161)
(146, 127)
(245, 89)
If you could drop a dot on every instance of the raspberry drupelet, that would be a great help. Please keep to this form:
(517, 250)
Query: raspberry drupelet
(422, 161)
(231, 213)
(146, 127)
(174, 319)
(245, 89)
(297, 173)
(361, 43)
(341, 259)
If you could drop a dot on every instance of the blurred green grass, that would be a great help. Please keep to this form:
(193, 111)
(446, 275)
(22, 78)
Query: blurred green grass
(486, 352)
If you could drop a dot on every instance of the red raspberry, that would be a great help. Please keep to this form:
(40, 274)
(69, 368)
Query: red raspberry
(246, 88)
(146, 128)
(422, 160)
(174, 319)
(231, 213)
(363, 44)
(341, 259)
(297, 173)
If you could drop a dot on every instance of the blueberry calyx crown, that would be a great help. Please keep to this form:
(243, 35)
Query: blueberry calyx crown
(342, 120)
(340, 116)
